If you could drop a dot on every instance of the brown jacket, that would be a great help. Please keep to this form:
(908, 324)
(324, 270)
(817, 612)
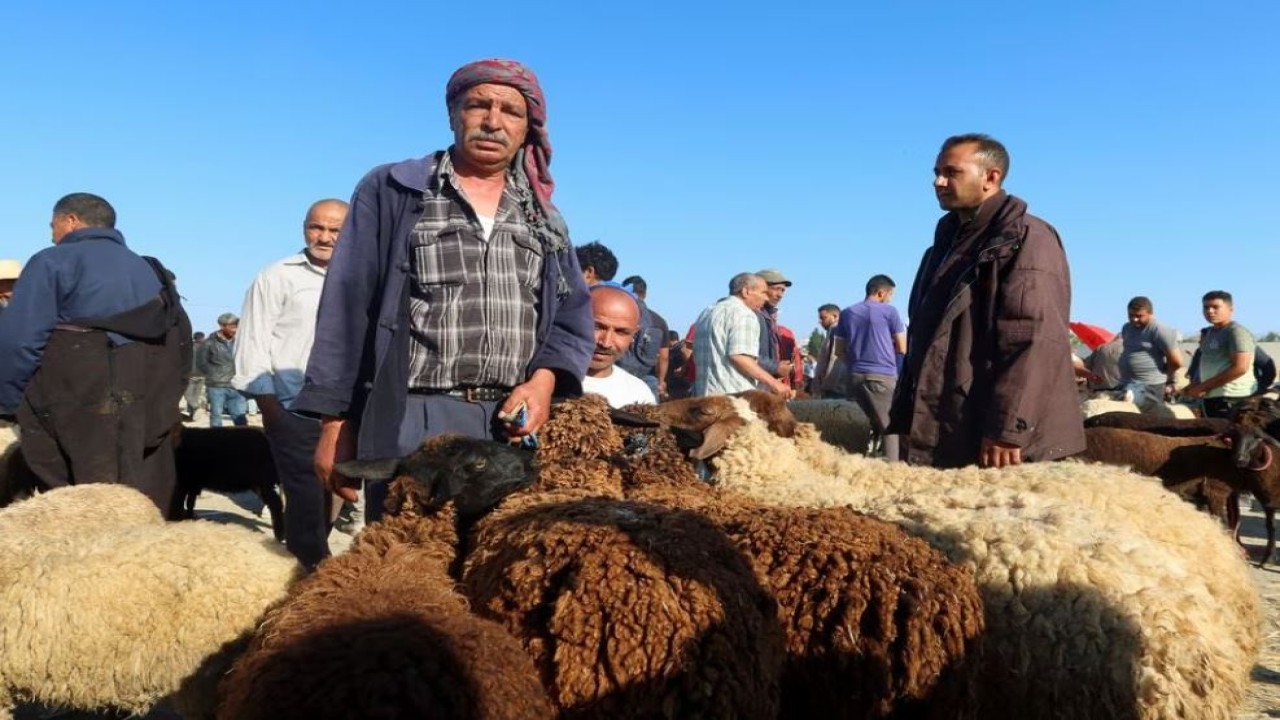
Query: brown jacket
(988, 353)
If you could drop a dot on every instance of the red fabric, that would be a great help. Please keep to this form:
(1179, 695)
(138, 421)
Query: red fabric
(1091, 335)
(788, 348)
(537, 147)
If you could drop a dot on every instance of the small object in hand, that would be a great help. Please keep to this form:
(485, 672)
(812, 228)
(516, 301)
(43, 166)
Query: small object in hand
(518, 418)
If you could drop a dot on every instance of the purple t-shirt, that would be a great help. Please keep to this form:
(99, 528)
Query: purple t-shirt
(869, 327)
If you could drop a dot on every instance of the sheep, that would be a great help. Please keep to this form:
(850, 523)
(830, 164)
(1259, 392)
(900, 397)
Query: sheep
(1166, 411)
(1256, 422)
(1147, 615)
(123, 618)
(1173, 427)
(228, 460)
(629, 609)
(840, 422)
(380, 631)
(850, 590)
(73, 512)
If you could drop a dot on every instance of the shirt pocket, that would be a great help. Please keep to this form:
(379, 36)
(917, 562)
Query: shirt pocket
(441, 260)
(527, 258)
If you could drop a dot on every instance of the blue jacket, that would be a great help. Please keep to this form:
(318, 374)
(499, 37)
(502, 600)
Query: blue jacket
(359, 364)
(91, 273)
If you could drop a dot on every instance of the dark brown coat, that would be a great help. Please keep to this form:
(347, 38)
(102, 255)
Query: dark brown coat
(987, 350)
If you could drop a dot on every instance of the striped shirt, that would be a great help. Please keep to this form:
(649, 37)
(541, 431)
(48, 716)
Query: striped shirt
(472, 302)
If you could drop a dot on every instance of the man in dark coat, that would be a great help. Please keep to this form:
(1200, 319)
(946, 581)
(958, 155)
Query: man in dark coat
(82, 358)
(987, 378)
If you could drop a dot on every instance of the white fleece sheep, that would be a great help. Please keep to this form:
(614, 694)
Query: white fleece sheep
(123, 618)
(1099, 405)
(1106, 596)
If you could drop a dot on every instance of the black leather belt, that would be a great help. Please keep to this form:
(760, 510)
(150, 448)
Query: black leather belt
(469, 394)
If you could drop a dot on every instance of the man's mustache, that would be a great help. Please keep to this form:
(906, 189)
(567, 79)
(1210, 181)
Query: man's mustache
(496, 136)
(607, 351)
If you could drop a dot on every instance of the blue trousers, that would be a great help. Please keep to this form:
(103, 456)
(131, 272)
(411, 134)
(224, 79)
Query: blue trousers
(232, 401)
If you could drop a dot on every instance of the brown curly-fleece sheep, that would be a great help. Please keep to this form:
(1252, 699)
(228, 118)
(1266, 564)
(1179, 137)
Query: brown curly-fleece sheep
(876, 623)
(380, 632)
(630, 610)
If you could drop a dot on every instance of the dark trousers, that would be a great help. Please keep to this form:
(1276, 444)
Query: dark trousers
(307, 504)
(84, 418)
(427, 416)
(874, 394)
(1218, 407)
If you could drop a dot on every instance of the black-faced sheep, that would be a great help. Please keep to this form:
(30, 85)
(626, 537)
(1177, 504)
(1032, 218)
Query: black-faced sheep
(121, 618)
(876, 623)
(227, 460)
(380, 632)
(1144, 603)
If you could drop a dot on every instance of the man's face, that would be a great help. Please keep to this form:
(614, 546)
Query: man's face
(1218, 312)
(489, 124)
(960, 181)
(755, 294)
(321, 231)
(775, 291)
(616, 318)
(1140, 318)
(229, 331)
(60, 225)
(828, 319)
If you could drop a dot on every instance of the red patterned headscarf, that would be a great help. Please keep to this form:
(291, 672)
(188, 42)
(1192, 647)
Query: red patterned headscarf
(537, 147)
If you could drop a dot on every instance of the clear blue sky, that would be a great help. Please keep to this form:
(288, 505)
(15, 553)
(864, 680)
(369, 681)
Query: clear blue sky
(694, 139)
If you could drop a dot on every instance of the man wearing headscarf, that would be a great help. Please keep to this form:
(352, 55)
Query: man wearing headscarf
(454, 299)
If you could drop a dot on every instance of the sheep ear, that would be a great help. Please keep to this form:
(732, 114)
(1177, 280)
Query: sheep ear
(369, 469)
(715, 437)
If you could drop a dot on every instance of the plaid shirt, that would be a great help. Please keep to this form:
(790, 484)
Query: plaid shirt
(472, 302)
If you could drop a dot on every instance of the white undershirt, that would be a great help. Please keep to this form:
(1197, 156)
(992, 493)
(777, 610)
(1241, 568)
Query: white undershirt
(486, 223)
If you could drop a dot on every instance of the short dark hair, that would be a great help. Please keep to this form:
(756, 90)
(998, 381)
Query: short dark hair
(636, 284)
(1140, 303)
(1222, 295)
(197, 336)
(599, 258)
(741, 281)
(829, 307)
(991, 152)
(878, 283)
(92, 210)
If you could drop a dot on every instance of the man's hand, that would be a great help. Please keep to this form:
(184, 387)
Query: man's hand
(998, 454)
(662, 391)
(535, 393)
(337, 444)
(780, 388)
(784, 368)
(1193, 391)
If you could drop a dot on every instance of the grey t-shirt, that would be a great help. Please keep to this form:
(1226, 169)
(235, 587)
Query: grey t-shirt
(1146, 352)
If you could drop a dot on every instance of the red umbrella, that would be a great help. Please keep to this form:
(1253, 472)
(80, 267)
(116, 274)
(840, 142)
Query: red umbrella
(1091, 335)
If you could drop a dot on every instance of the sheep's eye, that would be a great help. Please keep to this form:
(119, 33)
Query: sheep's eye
(478, 466)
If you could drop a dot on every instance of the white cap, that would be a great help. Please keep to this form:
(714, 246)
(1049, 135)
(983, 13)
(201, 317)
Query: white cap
(10, 269)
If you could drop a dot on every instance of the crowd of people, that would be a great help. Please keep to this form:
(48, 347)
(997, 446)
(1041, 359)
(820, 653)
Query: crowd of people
(446, 297)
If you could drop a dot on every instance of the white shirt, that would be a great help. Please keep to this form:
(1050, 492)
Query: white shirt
(727, 328)
(277, 328)
(620, 388)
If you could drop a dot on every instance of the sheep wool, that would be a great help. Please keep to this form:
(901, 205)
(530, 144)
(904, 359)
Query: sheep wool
(1090, 613)
(74, 511)
(876, 623)
(380, 632)
(120, 620)
(630, 610)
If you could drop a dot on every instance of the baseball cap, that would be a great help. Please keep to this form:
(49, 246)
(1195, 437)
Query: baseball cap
(774, 277)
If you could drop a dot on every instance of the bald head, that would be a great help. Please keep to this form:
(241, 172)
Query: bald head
(320, 229)
(617, 317)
